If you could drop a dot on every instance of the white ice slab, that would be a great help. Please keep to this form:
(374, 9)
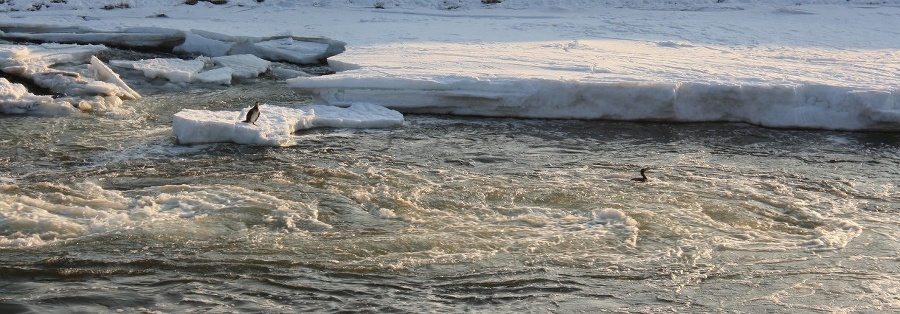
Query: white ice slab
(217, 76)
(199, 45)
(106, 74)
(64, 69)
(243, 66)
(276, 124)
(291, 50)
(15, 99)
(175, 70)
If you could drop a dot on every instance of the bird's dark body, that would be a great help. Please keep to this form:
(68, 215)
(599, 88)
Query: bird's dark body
(253, 114)
(643, 177)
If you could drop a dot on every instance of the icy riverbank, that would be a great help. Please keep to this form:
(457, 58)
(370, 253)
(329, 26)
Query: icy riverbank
(767, 62)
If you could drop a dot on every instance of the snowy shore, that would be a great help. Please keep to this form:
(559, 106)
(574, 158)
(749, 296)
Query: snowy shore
(797, 64)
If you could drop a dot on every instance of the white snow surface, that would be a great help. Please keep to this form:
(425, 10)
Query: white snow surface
(831, 64)
(276, 124)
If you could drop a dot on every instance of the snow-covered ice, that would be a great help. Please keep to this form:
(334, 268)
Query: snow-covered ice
(276, 124)
(17, 100)
(243, 66)
(301, 50)
(175, 70)
(65, 69)
(828, 64)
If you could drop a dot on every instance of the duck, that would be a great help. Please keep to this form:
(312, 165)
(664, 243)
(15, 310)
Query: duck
(643, 177)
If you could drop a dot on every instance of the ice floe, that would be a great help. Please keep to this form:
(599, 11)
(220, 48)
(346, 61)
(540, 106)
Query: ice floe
(172, 69)
(67, 70)
(219, 70)
(276, 124)
(15, 99)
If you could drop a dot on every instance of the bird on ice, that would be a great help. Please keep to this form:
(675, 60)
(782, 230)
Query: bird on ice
(253, 114)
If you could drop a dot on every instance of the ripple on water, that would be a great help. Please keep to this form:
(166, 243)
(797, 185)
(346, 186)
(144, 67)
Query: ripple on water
(442, 214)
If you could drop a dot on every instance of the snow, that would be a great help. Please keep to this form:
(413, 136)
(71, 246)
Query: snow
(826, 64)
(276, 124)
(243, 66)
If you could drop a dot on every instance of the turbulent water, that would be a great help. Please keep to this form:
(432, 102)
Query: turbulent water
(106, 212)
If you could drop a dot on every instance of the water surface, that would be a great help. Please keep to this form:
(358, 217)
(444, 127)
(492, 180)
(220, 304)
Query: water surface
(106, 212)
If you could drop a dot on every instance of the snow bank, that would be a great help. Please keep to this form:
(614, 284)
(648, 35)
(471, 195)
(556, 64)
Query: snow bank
(276, 124)
(803, 106)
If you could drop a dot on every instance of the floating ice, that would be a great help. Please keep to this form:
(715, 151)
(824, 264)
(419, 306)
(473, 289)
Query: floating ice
(218, 76)
(292, 50)
(63, 69)
(106, 74)
(244, 66)
(15, 99)
(276, 124)
(185, 71)
(197, 44)
(175, 70)
(300, 50)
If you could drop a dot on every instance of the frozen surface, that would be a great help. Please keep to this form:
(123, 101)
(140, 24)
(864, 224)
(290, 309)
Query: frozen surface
(15, 99)
(208, 70)
(291, 50)
(243, 66)
(828, 64)
(175, 70)
(789, 105)
(276, 124)
(64, 69)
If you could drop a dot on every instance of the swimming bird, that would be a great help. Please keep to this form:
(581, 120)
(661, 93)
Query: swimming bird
(253, 114)
(643, 177)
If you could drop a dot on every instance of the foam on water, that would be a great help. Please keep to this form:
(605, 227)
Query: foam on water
(49, 213)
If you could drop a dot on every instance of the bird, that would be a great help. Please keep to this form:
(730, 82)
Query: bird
(253, 114)
(643, 177)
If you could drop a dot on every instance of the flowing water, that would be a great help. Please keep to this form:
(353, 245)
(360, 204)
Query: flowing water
(107, 213)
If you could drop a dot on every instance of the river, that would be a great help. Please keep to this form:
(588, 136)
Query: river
(108, 213)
